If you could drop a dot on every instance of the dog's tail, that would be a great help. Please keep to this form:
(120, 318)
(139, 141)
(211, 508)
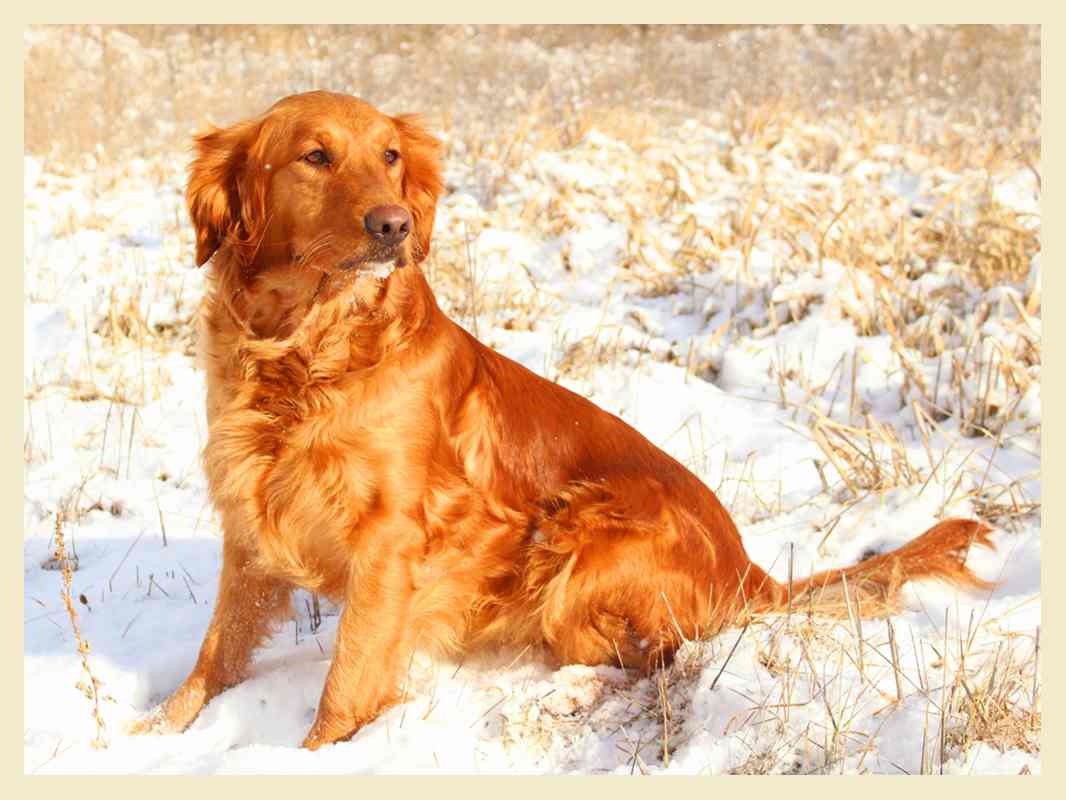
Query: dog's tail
(872, 587)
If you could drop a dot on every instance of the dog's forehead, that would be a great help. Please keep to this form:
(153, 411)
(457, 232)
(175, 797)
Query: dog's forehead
(334, 114)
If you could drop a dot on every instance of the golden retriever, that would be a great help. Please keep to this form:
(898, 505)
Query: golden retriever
(364, 446)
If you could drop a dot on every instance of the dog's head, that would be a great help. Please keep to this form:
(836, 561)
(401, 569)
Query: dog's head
(321, 180)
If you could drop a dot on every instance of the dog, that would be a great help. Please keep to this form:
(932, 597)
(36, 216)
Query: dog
(365, 447)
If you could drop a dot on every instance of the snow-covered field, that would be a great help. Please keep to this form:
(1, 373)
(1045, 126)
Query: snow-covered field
(832, 319)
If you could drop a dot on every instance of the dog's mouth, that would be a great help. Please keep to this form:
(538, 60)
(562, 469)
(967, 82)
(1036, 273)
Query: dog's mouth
(377, 266)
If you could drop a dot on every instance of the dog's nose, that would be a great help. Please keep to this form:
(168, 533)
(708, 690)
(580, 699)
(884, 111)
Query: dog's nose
(388, 224)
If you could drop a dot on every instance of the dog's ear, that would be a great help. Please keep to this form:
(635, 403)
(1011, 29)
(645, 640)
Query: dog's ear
(422, 182)
(227, 188)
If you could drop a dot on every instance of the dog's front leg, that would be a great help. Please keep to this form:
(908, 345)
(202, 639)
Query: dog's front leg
(248, 602)
(374, 640)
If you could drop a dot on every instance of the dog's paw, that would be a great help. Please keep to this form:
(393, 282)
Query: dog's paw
(323, 733)
(155, 722)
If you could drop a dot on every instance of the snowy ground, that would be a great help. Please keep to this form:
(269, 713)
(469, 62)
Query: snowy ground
(837, 331)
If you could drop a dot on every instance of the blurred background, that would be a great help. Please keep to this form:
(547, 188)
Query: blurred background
(115, 92)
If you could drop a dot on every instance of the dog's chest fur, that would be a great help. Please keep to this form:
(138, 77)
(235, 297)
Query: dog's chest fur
(293, 457)
(322, 449)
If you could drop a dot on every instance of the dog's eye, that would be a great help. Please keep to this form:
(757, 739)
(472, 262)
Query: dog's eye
(391, 156)
(317, 157)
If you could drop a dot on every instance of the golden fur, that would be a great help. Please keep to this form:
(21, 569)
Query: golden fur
(363, 446)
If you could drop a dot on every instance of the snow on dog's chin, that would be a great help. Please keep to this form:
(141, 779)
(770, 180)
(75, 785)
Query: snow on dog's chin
(380, 269)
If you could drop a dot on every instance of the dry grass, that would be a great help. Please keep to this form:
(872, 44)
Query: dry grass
(160, 80)
(972, 698)
(91, 685)
(869, 459)
(996, 703)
